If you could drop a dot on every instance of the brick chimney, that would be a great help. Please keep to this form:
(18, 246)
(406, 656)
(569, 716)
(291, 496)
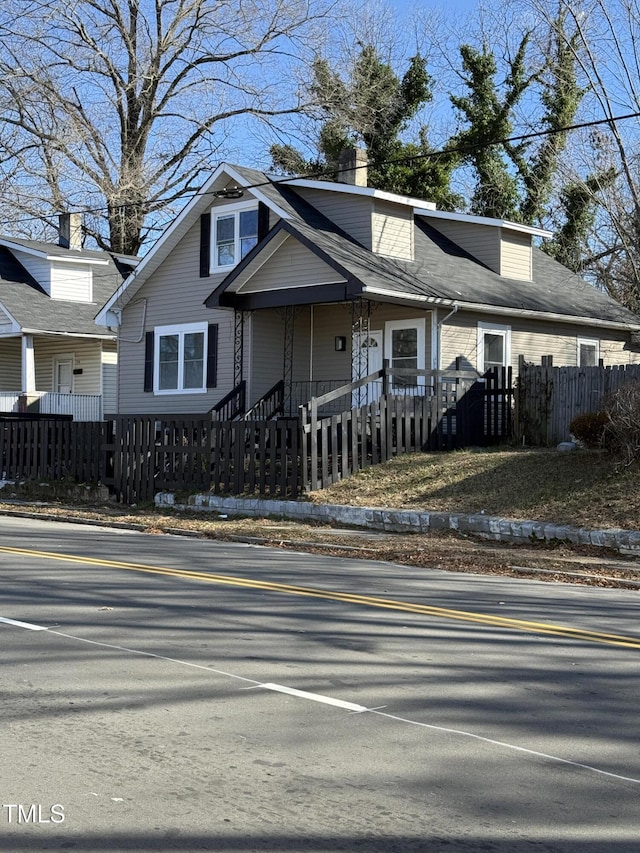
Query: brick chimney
(353, 167)
(70, 230)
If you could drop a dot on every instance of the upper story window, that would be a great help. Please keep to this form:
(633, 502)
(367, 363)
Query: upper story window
(588, 352)
(234, 233)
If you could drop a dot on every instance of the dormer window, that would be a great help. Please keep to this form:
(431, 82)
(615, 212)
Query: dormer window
(234, 233)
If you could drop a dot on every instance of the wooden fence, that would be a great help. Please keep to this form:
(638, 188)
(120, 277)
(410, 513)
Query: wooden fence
(148, 454)
(456, 409)
(52, 450)
(138, 456)
(548, 398)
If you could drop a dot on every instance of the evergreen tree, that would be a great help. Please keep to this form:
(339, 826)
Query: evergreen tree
(372, 108)
(488, 110)
(561, 97)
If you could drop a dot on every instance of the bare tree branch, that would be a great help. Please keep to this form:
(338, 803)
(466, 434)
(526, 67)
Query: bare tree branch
(119, 103)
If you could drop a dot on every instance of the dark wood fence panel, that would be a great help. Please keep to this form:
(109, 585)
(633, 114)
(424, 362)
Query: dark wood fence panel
(138, 456)
(549, 398)
(152, 454)
(51, 450)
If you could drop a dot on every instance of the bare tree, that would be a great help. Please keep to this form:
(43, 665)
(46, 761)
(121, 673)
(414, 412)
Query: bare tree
(118, 105)
(607, 53)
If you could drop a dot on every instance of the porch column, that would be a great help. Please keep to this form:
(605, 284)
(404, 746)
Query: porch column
(287, 366)
(238, 347)
(360, 328)
(28, 366)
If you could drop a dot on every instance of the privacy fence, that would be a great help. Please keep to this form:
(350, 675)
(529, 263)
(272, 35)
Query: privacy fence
(548, 398)
(138, 456)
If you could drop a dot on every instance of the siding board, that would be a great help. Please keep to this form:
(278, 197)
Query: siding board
(393, 230)
(292, 266)
(351, 213)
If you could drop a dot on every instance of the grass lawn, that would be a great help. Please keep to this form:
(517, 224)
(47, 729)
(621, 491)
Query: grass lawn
(583, 488)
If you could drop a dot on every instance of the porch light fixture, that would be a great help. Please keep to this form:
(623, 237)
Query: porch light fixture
(341, 343)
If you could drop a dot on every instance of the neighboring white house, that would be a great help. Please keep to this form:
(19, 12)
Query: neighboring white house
(53, 357)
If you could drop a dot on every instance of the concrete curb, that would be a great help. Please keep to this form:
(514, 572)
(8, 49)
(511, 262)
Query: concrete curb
(411, 521)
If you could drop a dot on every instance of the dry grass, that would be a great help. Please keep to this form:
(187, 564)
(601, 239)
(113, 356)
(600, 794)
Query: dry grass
(584, 488)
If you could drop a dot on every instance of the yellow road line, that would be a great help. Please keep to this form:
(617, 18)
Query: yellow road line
(347, 597)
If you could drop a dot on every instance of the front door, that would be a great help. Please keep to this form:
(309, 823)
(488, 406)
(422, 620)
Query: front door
(63, 375)
(368, 359)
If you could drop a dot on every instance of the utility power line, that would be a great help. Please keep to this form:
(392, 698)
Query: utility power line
(444, 152)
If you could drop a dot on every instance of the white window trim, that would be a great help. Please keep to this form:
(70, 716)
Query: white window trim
(494, 329)
(223, 212)
(411, 323)
(593, 342)
(181, 330)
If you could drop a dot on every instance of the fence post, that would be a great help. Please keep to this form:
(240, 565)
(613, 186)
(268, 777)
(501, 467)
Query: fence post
(313, 438)
(385, 377)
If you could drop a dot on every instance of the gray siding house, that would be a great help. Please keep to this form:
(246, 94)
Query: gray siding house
(54, 359)
(263, 280)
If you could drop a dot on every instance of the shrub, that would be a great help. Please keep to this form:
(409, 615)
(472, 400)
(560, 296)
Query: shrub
(623, 414)
(590, 428)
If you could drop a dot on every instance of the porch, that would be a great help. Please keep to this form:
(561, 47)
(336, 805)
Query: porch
(81, 407)
(138, 456)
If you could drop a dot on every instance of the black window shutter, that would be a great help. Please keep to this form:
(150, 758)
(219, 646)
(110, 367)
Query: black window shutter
(263, 220)
(148, 361)
(212, 356)
(205, 245)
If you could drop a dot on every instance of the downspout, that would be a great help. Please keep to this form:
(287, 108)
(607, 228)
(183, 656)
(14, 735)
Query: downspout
(311, 348)
(439, 326)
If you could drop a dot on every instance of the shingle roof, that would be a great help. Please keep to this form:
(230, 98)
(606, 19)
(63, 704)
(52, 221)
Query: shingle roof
(442, 270)
(30, 306)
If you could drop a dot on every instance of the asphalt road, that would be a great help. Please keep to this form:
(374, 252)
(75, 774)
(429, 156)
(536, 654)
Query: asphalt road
(169, 694)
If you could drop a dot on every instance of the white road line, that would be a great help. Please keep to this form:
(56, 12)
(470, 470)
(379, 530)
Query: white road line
(26, 625)
(315, 697)
(349, 706)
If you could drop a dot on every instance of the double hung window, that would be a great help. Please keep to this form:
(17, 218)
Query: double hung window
(235, 233)
(405, 349)
(180, 358)
(588, 352)
(494, 346)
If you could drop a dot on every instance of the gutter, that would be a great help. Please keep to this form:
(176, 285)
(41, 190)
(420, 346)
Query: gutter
(499, 309)
(84, 335)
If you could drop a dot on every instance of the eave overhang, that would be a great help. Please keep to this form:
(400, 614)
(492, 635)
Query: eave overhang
(506, 311)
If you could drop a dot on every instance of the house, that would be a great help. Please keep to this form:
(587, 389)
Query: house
(313, 284)
(53, 357)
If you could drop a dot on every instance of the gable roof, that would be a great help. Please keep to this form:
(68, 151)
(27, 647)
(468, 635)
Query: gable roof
(33, 311)
(442, 273)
